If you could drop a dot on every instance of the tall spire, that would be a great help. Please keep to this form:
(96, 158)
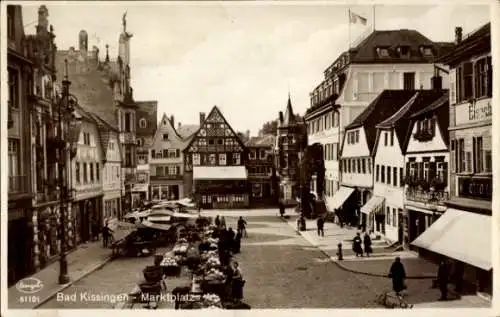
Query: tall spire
(289, 116)
(124, 22)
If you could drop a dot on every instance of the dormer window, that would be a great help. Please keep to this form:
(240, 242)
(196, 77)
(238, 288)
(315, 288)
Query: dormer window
(404, 51)
(383, 51)
(426, 51)
(165, 136)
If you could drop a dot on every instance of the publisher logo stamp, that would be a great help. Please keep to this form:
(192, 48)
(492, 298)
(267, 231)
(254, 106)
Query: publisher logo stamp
(30, 285)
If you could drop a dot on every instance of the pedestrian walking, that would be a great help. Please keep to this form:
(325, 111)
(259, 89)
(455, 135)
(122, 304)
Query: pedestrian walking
(238, 282)
(282, 209)
(106, 235)
(443, 276)
(217, 221)
(237, 243)
(356, 245)
(320, 223)
(223, 222)
(398, 275)
(242, 226)
(367, 242)
(459, 276)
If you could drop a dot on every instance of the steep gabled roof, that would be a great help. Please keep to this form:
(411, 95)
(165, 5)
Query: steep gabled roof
(385, 105)
(215, 113)
(400, 120)
(90, 85)
(187, 130)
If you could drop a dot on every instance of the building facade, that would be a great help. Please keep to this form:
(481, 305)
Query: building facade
(469, 206)
(357, 165)
(291, 141)
(111, 176)
(261, 170)
(426, 168)
(389, 160)
(215, 160)
(167, 162)
(87, 209)
(356, 78)
(21, 255)
(146, 128)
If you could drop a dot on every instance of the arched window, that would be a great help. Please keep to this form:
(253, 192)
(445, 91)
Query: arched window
(142, 123)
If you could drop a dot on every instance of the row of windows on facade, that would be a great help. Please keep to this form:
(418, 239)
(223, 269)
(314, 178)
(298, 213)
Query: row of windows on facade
(473, 80)
(254, 155)
(356, 165)
(214, 159)
(259, 170)
(331, 187)
(88, 172)
(331, 151)
(466, 160)
(207, 199)
(165, 153)
(392, 221)
(324, 122)
(428, 170)
(226, 141)
(325, 90)
(168, 170)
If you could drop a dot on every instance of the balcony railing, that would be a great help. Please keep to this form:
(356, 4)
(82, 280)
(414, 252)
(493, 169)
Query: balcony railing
(429, 197)
(18, 184)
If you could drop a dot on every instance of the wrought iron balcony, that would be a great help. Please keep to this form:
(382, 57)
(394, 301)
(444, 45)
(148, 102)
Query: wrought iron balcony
(427, 196)
(18, 184)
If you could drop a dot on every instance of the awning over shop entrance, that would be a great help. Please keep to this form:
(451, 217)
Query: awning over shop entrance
(460, 235)
(219, 172)
(340, 197)
(373, 204)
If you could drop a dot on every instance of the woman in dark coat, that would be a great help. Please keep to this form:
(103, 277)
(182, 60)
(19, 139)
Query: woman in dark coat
(367, 241)
(356, 245)
(237, 243)
(398, 275)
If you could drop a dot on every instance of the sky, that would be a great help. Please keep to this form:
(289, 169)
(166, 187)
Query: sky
(243, 57)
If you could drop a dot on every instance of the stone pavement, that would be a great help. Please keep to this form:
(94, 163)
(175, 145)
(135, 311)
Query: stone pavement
(379, 263)
(81, 262)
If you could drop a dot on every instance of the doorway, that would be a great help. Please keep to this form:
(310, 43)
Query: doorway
(19, 253)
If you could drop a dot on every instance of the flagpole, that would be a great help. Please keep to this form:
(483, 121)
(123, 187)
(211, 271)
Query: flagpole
(349, 24)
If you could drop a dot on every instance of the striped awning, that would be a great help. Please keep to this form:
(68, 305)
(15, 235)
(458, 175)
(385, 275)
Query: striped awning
(340, 197)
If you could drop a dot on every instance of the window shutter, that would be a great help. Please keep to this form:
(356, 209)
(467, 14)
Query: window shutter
(432, 170)
(489, 71)
(420, 170)
(452, 156)
(453, 86)
(445, 173)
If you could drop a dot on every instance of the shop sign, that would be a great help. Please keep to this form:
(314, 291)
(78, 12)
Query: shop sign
(475, 188)
(473, 112)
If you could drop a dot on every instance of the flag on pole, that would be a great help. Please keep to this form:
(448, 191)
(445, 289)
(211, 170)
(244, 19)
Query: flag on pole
(355, 18)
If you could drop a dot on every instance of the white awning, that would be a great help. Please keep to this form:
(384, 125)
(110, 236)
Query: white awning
(219, 172)
(460, 235)
(373, 204)
(340, 197)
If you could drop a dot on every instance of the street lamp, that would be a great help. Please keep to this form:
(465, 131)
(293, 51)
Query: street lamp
(65, 142)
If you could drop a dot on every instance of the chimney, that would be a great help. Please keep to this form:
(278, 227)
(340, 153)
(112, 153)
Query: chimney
(248, 135)
(281, 116)
(202, 117)
(458, 34)
(172, 120)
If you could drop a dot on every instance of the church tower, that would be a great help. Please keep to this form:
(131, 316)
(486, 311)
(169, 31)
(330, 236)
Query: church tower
(291, 136)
